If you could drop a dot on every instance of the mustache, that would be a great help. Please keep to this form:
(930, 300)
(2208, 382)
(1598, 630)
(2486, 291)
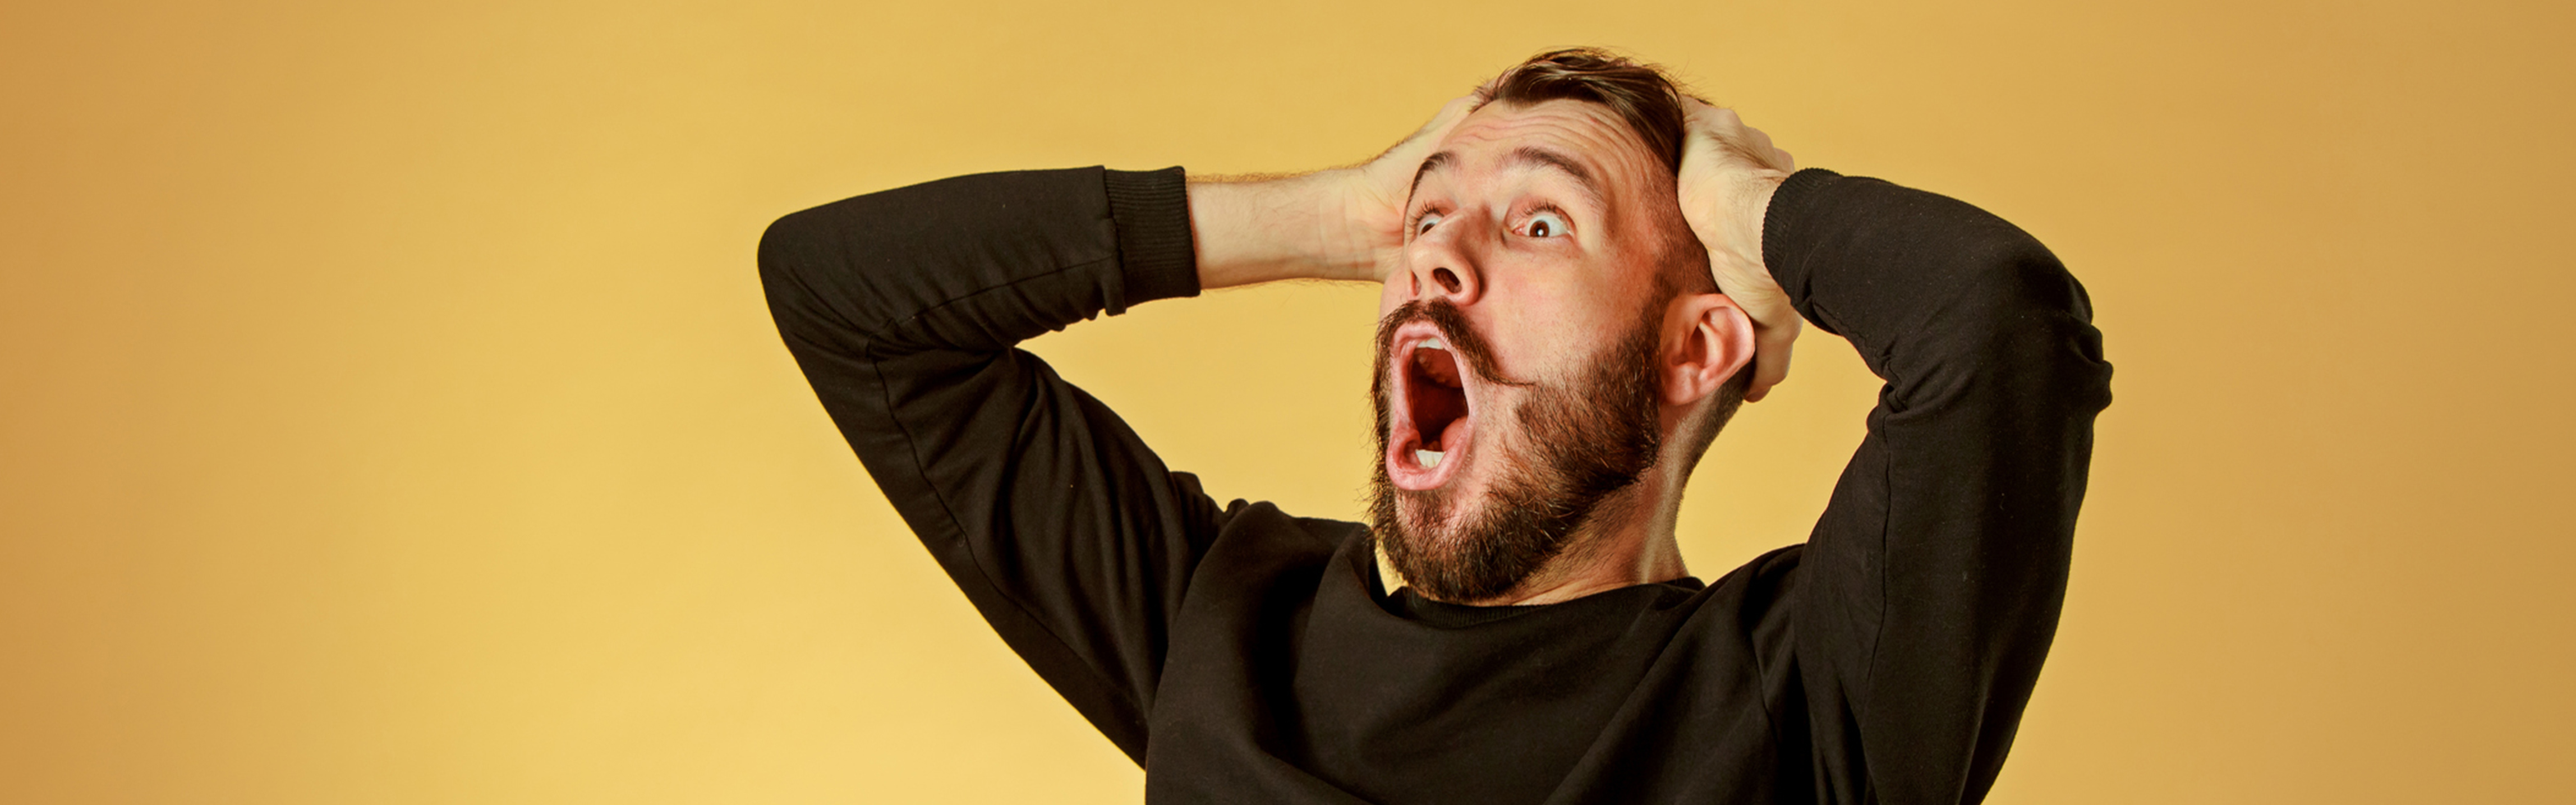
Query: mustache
(1463, 339)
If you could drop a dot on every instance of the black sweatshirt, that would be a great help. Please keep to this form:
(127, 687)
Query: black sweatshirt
(1241, 654)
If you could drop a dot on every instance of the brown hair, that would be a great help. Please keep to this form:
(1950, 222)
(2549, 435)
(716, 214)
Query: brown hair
(1639, 93)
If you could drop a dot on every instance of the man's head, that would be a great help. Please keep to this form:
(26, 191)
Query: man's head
(1553, 356)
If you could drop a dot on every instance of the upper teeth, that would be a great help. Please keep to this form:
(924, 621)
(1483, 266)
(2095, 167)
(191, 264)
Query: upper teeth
(1432, 343)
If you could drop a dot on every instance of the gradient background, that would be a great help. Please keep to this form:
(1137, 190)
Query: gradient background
(389, 413)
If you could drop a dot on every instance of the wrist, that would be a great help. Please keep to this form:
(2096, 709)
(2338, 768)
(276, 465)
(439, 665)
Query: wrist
(1753, 206)
(1260, 228)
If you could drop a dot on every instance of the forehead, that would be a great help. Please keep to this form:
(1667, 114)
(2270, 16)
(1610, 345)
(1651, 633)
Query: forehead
(1586, 132)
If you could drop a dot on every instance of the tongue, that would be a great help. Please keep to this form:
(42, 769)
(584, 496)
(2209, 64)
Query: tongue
(1443, 442)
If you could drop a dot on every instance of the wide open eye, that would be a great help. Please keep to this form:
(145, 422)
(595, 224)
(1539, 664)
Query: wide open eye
(1425, 223)
(1546, 225)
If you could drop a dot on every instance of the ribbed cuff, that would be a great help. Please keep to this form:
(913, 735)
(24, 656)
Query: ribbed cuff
(1156, 258)
(1781, 249)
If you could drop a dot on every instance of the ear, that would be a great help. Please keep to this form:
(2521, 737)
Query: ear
(1706, 339)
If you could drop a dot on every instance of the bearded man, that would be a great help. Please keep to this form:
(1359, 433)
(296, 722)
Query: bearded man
(1585, 271)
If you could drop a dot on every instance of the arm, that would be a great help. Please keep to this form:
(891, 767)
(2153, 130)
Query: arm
(1931, 585)
(1066, 532)
(1929, 590)
(1062, 528)
(1339, 224)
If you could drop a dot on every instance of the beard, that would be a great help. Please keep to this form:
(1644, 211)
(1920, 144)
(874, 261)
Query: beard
(1585, 442)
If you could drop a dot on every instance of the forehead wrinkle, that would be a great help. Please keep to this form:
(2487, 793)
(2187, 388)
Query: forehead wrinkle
(1551, 134)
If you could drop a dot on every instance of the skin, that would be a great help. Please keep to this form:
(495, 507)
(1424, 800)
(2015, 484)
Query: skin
(1540, 222)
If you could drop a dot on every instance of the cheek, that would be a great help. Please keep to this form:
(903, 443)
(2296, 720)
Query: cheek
(1598, 311)
(1555, 332)
(1539, 318)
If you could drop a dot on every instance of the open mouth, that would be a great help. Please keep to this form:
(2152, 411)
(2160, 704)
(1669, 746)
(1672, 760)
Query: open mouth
(1432, 423)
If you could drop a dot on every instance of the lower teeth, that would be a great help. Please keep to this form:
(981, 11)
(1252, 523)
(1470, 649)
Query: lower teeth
(1430, 458)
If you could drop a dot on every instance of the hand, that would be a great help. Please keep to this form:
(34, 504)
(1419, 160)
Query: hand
(1341, 224)
(1729, 171)
(1374, 192)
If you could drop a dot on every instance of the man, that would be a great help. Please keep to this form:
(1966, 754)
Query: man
(1584, 272)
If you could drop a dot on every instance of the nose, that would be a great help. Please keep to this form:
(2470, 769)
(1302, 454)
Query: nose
(1443, 263)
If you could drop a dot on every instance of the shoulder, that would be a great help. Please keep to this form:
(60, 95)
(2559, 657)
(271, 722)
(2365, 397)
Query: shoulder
(1259, 535)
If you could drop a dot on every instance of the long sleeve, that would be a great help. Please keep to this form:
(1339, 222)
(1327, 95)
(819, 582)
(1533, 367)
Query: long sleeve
(1062, 528)
(1931, 586)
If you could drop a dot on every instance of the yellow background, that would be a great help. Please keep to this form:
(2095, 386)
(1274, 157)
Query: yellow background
(389, 413)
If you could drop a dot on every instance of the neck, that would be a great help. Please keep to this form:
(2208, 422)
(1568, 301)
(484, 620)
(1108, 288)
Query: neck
(1627, 541)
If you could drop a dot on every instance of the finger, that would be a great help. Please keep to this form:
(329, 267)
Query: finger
(1765, 152)
(1770, 364)
(1710, 118)
(1457, 109)
(1726, 121)
(1787, 162)
(1774, 347)
(1422, 139)
(1449, 115)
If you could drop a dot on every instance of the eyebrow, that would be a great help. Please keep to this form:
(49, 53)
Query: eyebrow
(1527, 156)
(1438, 160)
